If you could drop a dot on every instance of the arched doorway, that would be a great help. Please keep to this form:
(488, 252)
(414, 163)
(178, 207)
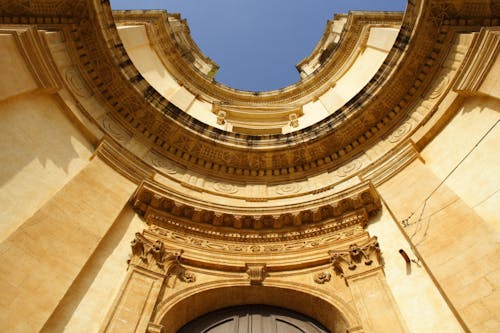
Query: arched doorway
(180, 309)
(253, 319)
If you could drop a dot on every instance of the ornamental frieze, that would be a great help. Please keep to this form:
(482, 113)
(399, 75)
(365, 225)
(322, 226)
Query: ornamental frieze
(239, 244)
(150, 199)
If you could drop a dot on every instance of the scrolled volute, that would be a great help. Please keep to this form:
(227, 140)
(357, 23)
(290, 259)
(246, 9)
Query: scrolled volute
(154, 257)
(357, 258)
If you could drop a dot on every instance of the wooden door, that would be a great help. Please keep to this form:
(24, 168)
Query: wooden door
(253, 319)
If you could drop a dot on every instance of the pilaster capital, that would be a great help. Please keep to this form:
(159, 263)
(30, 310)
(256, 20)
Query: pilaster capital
(154, 257)
(357, 259)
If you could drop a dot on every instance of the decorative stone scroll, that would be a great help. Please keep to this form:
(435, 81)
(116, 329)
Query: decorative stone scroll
(356, 259)
(154, 257)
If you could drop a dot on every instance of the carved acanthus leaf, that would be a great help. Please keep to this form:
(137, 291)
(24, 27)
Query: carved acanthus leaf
(153, 256)
(356, 258)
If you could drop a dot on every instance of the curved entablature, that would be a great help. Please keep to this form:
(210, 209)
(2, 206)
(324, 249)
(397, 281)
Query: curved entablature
(324, 48)
(340, 71)
(338, 211)
(132, 108)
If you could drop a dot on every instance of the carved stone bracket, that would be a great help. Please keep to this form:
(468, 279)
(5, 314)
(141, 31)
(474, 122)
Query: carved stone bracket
(154, 257)
(357, 259)
(256, 273)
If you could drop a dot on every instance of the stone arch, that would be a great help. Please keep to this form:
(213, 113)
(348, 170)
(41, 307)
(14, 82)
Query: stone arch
(184, 306)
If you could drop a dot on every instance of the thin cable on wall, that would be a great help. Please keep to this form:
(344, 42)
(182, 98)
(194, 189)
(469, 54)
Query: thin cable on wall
(421, 208)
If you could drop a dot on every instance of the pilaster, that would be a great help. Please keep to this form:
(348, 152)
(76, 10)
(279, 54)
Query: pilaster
(151, 266)
(44, 256)
(361, 266)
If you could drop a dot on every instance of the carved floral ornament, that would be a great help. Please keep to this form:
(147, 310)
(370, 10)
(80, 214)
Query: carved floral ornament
(154, 257)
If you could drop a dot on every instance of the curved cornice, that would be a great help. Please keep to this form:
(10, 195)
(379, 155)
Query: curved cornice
(405, 94)
(136, 107)
(162, 35)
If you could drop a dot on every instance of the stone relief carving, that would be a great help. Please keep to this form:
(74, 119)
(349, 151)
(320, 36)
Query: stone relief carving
(288, 241)
(400, 132)
(349, 168)
(441, 87)
(221, 117)
(256, 273)
(359, 203)
(153, 256)
(357, 258)
(294, 121)
(285, 189)
(322, 277)
(225, 188)
(75, 83)
(162, 163)
(114, 130)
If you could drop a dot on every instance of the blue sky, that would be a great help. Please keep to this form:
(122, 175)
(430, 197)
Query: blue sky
(258, 42)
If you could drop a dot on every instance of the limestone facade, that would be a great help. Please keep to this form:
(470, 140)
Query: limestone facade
(139, 194)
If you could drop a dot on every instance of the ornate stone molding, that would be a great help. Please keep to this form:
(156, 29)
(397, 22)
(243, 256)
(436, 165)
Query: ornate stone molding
(154, 257)
(379, 107)
(479, 60)
(364, 201)
(33, 49)
(123, 161)
(357, 259)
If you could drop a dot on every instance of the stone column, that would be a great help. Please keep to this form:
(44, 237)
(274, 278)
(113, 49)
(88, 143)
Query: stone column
(150, 267)
(361, 267)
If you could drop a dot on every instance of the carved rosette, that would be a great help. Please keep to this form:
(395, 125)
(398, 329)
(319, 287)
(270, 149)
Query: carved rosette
(322, 277)
(357, 258)
(154, 257)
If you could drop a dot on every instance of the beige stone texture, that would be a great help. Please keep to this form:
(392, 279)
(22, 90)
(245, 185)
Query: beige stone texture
(491, 83)
(41, 151)
(445, 231)
(473, 137)
(99, 281)
(16, 78)
(413, 289)
(141, 53)
(182, 98)
(370, 292)
(43, 257)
